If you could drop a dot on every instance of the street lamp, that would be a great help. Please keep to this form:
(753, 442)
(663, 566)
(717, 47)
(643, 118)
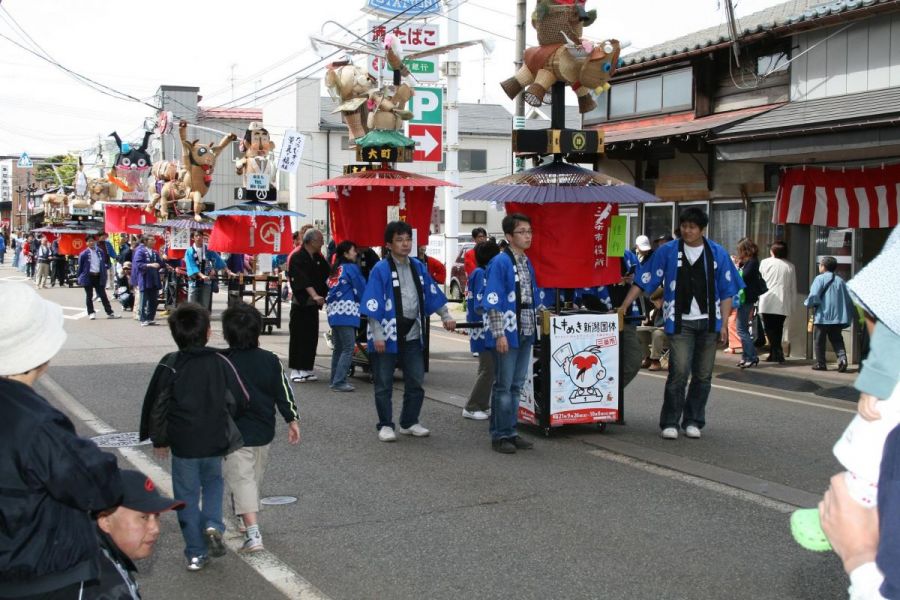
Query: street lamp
(29, 189)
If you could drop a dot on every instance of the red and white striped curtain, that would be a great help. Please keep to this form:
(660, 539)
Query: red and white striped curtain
(864, 198)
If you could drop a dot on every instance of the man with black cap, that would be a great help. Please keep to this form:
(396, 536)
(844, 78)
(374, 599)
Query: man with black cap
(126, 533)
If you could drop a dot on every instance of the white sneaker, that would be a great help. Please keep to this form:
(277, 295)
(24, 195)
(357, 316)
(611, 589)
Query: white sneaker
(692, 432)
(92, 316)
(386, 434)
(415, 430)
(477, 415)
(295, 375)
(304, 376)
(669, 433)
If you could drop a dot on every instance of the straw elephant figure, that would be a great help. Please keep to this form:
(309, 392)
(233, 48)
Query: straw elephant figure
(199, 162)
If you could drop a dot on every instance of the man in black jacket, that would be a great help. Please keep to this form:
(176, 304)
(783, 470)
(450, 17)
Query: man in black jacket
(308, 274)
(190, 406)
(128, 533)
(51, 479)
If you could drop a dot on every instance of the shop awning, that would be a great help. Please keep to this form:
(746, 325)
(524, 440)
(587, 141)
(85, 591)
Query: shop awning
(669, 126)
(866, 198)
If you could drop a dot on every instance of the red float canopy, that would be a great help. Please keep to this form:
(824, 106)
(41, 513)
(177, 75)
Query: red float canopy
(251, 235)
(568, 249)
(384, 178)
(121, 216)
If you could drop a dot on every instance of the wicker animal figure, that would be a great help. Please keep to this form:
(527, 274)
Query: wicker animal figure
(169, 187)
(388, 112)
(350, 86)
(57, 204)
(99, 190)
(199, 162)
(586, 67)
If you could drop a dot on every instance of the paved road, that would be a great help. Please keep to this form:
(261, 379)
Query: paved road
(622, 514)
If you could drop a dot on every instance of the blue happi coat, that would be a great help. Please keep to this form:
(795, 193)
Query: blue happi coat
(345, 289)
(474, 297)
(662, 269)
(500, 295)
(378, 301)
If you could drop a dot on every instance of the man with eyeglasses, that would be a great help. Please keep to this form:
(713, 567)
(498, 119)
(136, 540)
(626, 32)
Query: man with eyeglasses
(509, 305)
(399, 296)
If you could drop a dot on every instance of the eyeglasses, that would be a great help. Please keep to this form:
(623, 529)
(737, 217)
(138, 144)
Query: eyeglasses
(524, 231)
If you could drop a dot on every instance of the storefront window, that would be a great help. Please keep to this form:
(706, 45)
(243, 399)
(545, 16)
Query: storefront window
(658, 221)
(839, 244)
(762, 230)
(726, 224)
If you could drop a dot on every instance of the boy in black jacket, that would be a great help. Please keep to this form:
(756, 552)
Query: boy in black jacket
(264, 377)
(190, 405)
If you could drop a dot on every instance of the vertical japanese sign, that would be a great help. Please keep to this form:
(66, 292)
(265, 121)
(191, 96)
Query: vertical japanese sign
(601, 231)
(291, 151)
(584, 373)
(414, 37)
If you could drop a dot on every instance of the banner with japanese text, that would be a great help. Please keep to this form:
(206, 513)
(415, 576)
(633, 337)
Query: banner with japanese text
(584, 369)
(251, 235)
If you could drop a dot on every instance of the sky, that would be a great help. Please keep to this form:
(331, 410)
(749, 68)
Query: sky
(232, 52)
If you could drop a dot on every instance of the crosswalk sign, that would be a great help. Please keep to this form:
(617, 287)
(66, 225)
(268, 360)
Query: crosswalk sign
(24, 162)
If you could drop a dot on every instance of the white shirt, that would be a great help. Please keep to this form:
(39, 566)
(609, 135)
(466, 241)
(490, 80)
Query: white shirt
(95, 260)
(693, 254)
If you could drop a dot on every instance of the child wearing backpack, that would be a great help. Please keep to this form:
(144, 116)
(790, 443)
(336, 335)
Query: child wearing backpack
(269, 388)
(190, 406)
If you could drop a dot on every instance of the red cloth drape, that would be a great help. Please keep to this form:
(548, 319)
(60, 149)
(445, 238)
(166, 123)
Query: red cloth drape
(71, 244)
(261, 235)
(118, 218)
(337, 228)
(565, 251)
(363, 212)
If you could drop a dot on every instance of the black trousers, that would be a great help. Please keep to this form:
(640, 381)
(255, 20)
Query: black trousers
(90, 289)
(833, 333)
(304, 330)
(59, 268)
(774, 326)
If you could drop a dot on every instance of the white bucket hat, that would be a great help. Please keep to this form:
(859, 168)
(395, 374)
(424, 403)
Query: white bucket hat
(642, 242)
(31, 329)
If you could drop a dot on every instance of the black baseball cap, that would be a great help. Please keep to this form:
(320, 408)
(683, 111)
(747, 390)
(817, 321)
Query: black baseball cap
(141, 494)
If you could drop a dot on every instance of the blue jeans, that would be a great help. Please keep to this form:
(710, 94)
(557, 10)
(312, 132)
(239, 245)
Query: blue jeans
(510, 374)
(691, 352)
(193, 480)
(149, 300)
(744, 313)
(411, 358)
(343, 337)
(200, 292)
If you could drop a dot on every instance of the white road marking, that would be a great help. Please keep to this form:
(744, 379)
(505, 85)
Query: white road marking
(706, 484)
(276, 572)
(770, 396)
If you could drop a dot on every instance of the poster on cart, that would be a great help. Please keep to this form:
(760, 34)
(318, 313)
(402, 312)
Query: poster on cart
(527, 413)
(584, 369)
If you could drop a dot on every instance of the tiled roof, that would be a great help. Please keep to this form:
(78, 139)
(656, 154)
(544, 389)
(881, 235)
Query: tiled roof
(852, 110)
(785, 14)
(244, 114)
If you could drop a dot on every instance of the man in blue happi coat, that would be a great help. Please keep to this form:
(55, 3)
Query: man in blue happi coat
(699, 281)
(399, 297)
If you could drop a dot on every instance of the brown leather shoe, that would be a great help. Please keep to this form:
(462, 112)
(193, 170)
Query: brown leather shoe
(645, 363)
(654, 365)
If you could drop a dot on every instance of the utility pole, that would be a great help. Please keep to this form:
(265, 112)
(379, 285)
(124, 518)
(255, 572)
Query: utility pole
(451, 204)
(520, 51)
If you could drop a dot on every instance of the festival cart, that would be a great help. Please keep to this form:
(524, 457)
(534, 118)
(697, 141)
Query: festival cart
(255, 228)
(71, 244)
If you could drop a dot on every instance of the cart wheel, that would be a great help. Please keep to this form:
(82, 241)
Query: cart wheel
(601, 427)
(352, 371)
(269, 329)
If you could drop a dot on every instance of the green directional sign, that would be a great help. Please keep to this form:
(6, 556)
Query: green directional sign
(615, 242)
(427, 106)
(417, 67)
